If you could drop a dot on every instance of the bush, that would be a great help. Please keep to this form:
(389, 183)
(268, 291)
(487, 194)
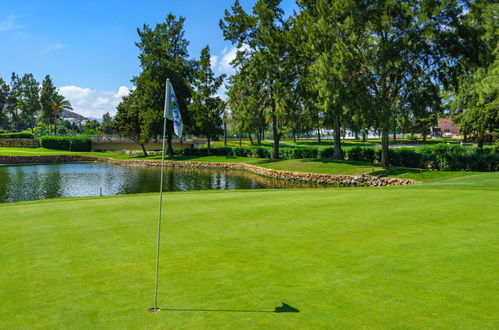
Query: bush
(457, 158)
(21, 135)
(406, 157)
(72, 143)
(362, 154)
(296, 153)
(443, 157)
(261, 152)
(411, 137)
(326, 152)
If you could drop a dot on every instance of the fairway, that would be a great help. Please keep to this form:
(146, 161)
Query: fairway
(421, 256)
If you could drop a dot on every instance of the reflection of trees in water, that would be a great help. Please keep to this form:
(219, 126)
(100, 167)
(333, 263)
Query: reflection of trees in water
(51, 183)
(4, 182)
(28, 182)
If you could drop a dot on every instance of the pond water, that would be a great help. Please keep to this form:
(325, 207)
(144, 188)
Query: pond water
(40, 181)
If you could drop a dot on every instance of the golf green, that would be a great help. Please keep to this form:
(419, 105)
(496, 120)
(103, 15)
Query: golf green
(422, 256)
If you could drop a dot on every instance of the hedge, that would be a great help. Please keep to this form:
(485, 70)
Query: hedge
(442, 157)
(21, 135)
(363, 154)
(438, 157)
(71, 143)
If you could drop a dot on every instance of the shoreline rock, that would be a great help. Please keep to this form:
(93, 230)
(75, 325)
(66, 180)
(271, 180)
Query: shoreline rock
(362, 180)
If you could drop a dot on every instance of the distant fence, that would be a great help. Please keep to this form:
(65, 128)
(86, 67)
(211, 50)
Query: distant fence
(153, 146)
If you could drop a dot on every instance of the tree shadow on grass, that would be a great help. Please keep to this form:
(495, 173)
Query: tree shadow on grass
(285, 308)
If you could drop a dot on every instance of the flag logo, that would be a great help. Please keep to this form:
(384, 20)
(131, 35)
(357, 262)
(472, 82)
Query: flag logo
(172, 111)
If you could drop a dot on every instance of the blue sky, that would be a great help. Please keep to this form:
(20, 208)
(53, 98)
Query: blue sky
(88, 46)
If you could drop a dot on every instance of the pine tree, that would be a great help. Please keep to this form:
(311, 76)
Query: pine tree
(206, 108)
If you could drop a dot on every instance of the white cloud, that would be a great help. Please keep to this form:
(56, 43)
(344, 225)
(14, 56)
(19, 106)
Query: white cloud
(10, 23)
(213, 61)
(54, 47)
(93, 103)
(223, 64)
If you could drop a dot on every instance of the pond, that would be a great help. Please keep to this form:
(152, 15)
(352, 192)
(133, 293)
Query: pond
(40, 181)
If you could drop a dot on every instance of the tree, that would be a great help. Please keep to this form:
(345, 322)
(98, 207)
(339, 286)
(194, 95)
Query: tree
(59, 104)
(4, 93)
(47, 94)
(477, 103)
(107, 123)
(474, 95)
(264, 39)
(206, 108)
(128, 121)
(400, 48)
(244, 100)
(29, 101)
(334, 68)
(163, 55)
(12, 106)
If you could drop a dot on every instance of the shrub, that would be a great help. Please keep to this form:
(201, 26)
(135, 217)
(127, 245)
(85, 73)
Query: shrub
(362, 154)
(405, 157)
(21, 135)
(411, 137)
(295, 153)
(241, 152)
(261, 152)
(72, 143)
(326, 152)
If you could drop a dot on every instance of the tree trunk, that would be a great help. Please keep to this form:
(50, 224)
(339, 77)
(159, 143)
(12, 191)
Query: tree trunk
(250, 138)
(259, 138)
(225, 134)
(209, 145)
(394, 133)
(338, 153)
(294, 137)
(464, 138)
(143, 149)
(356, 135)
(364, 136)
(318, 134)
(481, 139)
(384, 147)
(276, 136)
(169, 142)
(240, 140)
(424, 137)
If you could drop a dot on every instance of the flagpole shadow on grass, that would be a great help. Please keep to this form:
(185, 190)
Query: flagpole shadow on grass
(285, 308)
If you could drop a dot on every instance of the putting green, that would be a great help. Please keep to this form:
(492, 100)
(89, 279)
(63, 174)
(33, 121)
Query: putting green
(396, 257)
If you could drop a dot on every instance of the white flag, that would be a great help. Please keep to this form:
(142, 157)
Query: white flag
(172, 110)
(168, 101)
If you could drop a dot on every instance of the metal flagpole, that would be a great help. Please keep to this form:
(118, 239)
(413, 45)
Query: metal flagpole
(167, 108)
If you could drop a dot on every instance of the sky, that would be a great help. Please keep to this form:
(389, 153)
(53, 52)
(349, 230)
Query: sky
(88, 47)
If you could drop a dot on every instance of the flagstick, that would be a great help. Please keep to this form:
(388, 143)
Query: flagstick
(168, 106)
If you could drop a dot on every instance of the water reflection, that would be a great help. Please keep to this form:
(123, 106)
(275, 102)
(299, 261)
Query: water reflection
(30, 182)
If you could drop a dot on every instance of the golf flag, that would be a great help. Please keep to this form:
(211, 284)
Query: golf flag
(172, 111)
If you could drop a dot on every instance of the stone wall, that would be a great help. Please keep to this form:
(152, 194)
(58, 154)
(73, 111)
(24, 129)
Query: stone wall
(19, 143)
(339, 180)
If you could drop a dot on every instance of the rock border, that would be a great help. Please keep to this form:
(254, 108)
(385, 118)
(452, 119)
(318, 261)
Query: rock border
(332, 179)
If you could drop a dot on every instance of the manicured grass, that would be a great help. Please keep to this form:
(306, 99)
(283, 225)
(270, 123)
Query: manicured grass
(396, 257)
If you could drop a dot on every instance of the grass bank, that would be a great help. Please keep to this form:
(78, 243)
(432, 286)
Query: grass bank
(395, 257)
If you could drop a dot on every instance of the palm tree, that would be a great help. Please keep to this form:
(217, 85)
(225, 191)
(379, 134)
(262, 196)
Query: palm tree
(59, 103)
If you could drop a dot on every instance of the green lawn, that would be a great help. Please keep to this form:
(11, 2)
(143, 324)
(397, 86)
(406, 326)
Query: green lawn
(420, 256)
